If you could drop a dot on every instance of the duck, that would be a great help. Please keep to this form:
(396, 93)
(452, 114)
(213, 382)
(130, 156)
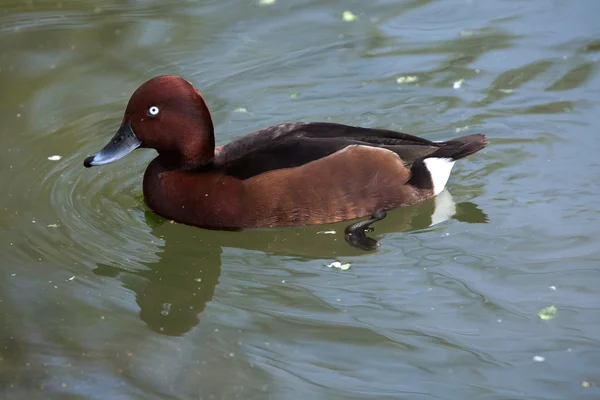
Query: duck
(291, 174)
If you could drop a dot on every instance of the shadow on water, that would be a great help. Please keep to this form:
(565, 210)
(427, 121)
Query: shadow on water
(175, 290)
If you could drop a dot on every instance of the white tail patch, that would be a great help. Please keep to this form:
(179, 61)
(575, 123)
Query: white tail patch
(439, 169)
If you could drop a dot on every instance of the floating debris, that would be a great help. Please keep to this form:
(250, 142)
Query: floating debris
(326, 233)
(339, 265)
(241, 110)
(585, 384)
(406, 79)
(507, 91)
(54, 158)
(294, 95)
(458, 84)
(71, 278)
(552, 287)
(52, 226)
(547, 313)
(266, 2)
(349, 16)
(539, 359)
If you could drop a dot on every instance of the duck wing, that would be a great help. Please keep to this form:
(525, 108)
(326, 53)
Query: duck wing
(295, 144)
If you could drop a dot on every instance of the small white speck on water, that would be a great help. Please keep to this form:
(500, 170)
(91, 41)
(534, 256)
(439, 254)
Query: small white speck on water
(326, 233)
(406, 79)
(18, 115)
(55, 157)
(552, 288)
(266, 2)
(339, 265)
(539, 359)
(240, 110)
(458, 84)
(349, 16)
(499, 320)
(13, 274)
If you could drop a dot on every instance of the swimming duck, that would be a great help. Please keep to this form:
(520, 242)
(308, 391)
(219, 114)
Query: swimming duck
(291, 174)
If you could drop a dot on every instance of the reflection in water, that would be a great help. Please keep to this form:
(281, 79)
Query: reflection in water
(174, 290)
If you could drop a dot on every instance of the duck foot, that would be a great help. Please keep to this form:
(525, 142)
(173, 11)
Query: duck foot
(356, 233)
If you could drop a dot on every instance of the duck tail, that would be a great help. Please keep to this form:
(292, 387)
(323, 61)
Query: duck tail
(461, 147)
(433, 171)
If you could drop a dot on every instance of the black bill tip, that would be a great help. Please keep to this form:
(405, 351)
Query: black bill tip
(88, 162)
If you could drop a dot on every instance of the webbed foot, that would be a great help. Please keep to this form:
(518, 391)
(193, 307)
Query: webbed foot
(356, 233)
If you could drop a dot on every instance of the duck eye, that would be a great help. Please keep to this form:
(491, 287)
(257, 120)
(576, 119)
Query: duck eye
(152, 111)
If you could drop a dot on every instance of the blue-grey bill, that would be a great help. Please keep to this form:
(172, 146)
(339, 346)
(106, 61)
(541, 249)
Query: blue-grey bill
(123, 143)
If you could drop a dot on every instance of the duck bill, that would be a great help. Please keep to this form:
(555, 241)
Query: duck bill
(123, 143)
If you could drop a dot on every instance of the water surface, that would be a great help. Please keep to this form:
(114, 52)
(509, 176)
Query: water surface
(101, 299)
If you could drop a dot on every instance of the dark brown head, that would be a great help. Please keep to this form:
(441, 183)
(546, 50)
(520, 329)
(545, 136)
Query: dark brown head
(169, 115)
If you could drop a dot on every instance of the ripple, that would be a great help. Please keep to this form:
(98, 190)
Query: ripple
(73, 215)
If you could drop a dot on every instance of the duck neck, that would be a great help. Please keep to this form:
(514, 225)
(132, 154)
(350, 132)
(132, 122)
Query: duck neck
(178, 161)
(199, 150)
(196, 151)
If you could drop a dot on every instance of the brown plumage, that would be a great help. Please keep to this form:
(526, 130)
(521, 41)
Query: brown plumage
(285, 175)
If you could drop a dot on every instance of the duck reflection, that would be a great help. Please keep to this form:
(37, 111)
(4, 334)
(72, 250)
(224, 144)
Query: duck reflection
(173, 292)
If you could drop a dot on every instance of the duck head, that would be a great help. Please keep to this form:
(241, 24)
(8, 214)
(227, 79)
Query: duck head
(169, 115)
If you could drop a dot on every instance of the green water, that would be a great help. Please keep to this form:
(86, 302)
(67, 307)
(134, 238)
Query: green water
(101, 299)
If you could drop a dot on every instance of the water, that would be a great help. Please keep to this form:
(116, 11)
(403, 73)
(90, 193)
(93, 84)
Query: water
(101, 299)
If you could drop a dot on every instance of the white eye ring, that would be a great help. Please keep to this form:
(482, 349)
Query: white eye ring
(153, 111)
